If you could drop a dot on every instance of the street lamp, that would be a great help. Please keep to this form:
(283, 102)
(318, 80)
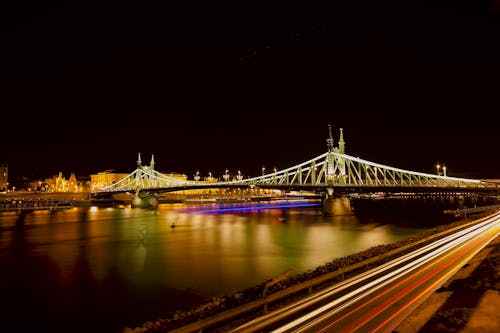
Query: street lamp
(441, 169)
(226, 175)
(263, 170)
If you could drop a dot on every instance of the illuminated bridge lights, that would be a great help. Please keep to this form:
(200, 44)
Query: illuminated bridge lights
(326, 171)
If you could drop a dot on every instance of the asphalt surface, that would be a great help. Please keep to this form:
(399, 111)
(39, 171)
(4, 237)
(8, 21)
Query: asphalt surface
(468, 302)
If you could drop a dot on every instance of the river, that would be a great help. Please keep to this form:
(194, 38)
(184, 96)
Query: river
(101, 269)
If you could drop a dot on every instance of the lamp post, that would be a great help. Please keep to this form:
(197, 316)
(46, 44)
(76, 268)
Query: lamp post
(226, 175)
(441, 169)
(263, 171)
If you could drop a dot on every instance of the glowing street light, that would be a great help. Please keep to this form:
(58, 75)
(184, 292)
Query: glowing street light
(441, 169)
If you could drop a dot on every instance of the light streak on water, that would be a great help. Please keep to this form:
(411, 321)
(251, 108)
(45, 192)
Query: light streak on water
(241, 208)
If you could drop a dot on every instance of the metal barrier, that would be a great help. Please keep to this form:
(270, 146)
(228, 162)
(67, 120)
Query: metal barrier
(458, 212)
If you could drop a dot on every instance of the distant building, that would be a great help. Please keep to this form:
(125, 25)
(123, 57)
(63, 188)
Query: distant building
(59, 184)
(4, 176)
(105, 178)
(83, 184)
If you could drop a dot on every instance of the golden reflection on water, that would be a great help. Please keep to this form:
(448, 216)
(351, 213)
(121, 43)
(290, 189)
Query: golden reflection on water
(214, 253)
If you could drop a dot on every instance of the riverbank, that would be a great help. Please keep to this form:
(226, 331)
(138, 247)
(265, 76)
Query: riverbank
(218, 304)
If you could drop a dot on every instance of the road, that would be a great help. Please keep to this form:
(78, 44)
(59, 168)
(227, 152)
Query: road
(378, 300)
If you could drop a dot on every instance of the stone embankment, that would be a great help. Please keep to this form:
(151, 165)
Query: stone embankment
(218, 304)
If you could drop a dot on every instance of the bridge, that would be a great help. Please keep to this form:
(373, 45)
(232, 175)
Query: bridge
(333, 173)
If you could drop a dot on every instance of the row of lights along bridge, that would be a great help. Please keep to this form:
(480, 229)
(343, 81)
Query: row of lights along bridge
(440, 171)
(226, 176)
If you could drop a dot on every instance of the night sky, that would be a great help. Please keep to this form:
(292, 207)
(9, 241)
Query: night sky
(85, 86)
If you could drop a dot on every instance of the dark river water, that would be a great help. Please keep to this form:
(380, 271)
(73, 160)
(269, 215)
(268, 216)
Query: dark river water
(103, 269)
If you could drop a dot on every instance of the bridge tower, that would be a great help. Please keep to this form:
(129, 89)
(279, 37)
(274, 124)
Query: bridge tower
(336, 166)
(139, 162)
(336, 173)
(329, 141)
(144, 200)
(341, 142)
(138, 176)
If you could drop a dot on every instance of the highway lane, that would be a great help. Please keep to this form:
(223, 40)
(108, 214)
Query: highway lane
(379, 299)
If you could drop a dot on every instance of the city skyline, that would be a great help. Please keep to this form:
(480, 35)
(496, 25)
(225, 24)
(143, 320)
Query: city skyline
(213, 88)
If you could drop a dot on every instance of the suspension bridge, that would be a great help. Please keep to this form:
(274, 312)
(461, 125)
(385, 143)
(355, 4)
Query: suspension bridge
(333, 173)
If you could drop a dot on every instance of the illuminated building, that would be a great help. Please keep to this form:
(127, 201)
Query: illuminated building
(4, 174)
(105, 178)
(59, 184)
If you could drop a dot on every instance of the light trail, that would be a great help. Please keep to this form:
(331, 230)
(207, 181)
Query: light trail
(372, 314)
(232, 208)
(421, 295)
(307, 322)
(416, 259)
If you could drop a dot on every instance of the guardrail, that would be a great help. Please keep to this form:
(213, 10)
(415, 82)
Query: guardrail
(225, 316)
(458, 212)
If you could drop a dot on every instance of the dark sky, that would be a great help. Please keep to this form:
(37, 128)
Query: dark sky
(85, 85)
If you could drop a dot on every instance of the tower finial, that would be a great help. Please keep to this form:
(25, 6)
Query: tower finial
(341, 142)
(329, 141)
(152, 164)
(139, 162)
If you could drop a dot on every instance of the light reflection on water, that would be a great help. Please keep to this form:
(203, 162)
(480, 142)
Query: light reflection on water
(87, 260)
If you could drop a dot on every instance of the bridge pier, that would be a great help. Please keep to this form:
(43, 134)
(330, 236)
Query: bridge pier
(336, 205)
(146, 201)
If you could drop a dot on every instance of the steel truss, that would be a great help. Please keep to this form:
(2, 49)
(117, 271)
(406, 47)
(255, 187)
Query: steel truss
(330, 169)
